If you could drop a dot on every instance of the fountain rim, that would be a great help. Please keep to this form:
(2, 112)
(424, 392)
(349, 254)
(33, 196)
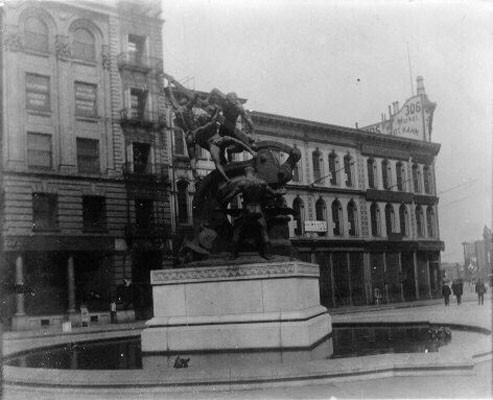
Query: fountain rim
(245, 377)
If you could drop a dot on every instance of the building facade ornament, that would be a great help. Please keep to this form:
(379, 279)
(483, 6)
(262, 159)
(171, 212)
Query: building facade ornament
(62, 48)
(106, 57)
(12, 42)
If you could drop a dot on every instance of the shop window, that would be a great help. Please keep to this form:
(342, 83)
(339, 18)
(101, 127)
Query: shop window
(88, 155)
(389, 218)
(317, 167)
(85, 99)
(298, 208)
(348, 169)
(386, 174)
(38, 92)
(36, 35)
(419, 221)
(400, 172)
(182, 198)
(93, 213)
(136, 49)
(430, 221)
(352, 218)
(375, 219)
(144, 210)
(39, 154)
(371, 167)
(333, 164)
(403, 219)
(141, 157)
(336, 218)
(84, 45)
(44, 211)
(320, 213)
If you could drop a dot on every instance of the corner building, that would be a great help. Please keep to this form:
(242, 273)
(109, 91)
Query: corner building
(364, 201)
(84, 158)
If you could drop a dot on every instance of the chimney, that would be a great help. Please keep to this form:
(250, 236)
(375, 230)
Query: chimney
(396, 106)
(390, 111)
(356, 124)
(421, 87)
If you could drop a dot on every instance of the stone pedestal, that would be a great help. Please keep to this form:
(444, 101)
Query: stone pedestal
(256, 307)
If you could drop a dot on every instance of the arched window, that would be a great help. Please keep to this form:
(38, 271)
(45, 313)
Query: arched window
(182, 199)
(320, 213)
(389, 218)
(419, 221)
(352, 218)
(430, 221)
(416, 178)
(375, 219)
(298, 208)
(336, 218)
(400, 174)
(427, 179)
(371, 166)
(333, 162)
(317, 167)
(83, 46)
(403, 219)
(36, 35)
(348, 169)
(386, 174)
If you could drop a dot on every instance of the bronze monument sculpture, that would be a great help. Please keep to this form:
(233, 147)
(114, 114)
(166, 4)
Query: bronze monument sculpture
(259, 224)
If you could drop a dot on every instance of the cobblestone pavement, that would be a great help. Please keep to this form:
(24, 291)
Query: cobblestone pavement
(478, 384)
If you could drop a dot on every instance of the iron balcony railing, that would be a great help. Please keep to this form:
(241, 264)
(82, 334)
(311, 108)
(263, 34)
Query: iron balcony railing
(142, 118)
(136, 170)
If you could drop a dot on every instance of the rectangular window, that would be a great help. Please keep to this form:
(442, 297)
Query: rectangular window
(37, 92)
(138, 100)
(93, 213)
(88, 155)
(39, 150)
(85, 99)
(141, 153)
(136, 49)
(44, 211)
(143, 213)
(179, 142)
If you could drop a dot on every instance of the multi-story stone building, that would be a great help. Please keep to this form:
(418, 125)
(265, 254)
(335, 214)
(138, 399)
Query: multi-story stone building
(84, 157)
(477, 257)
(364, 199)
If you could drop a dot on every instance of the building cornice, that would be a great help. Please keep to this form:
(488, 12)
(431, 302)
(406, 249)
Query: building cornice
(300, 129)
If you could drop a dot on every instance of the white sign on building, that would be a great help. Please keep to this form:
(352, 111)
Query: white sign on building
(315, 226)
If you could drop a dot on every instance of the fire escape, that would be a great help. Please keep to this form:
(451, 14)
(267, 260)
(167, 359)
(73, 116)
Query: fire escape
(144, 127)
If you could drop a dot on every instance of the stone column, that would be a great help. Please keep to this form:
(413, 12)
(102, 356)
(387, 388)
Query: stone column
(19, 281)
(384, 255)
(71, 284)
(332, 283)
(349, 278)
(416, 279)
(400, 276)
(428, 280)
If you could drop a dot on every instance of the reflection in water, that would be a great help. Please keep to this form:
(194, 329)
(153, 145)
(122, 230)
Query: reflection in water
(348, 341)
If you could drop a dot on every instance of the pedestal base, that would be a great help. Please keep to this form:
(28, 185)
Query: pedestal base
(271, 306)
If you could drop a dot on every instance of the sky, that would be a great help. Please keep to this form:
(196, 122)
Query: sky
(345, 62)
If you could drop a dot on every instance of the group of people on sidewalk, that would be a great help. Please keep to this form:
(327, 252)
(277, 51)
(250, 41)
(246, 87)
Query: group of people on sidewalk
(458, 290)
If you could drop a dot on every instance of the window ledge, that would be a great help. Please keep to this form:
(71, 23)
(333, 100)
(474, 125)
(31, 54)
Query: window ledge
(87, 118)
(43, 113)
(40, 53)
(90, 63)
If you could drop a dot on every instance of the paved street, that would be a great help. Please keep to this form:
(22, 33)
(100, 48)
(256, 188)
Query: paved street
(476, 385)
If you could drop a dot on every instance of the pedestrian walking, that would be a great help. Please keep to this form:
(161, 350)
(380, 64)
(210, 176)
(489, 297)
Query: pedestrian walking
(457, 289)
(446, 292)
(480, 290)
